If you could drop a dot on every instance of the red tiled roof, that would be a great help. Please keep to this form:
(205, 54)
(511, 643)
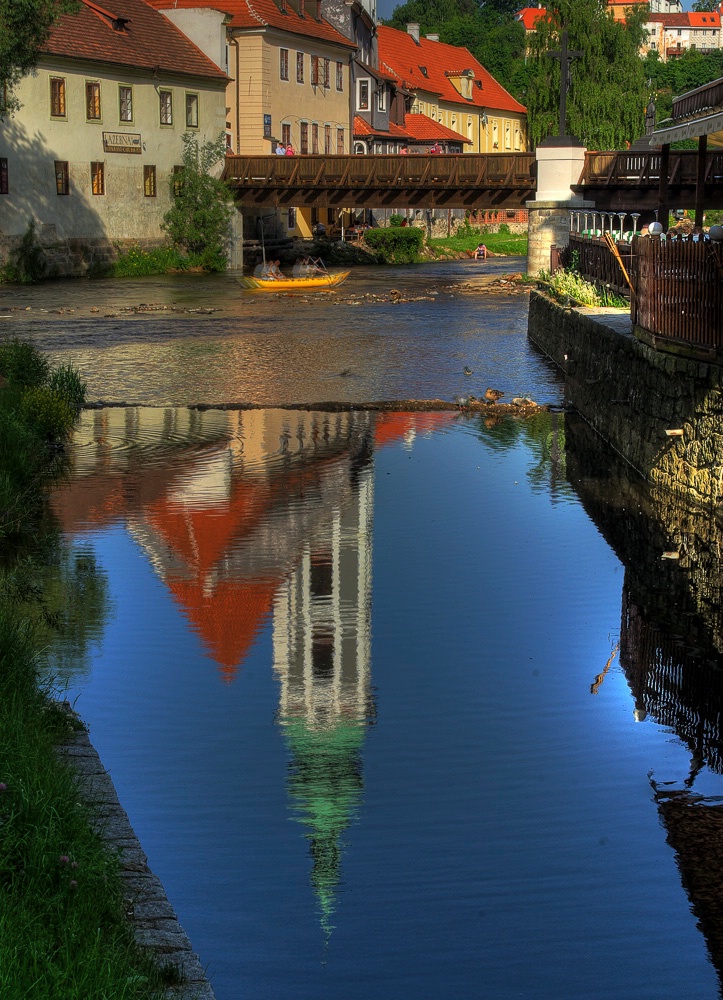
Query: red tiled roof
(399, 53)
(262, 14)
(530, 16)
(147, 40)
(711, 19)
(423, 128)
(692, 19)
(363, 128)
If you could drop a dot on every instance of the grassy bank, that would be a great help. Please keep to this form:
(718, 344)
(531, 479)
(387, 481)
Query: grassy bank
(63, 931)
(466, 238)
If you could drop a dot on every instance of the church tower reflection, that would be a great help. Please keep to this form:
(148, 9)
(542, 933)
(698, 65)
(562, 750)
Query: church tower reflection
(321, 639)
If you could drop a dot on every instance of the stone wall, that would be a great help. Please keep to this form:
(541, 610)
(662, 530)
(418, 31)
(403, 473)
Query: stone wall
(632, 395)
(74, 257)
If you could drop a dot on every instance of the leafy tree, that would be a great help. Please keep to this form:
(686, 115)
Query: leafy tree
(705, 6)
(677, 76)
(24, 28)
(608, 93)
(198, 221)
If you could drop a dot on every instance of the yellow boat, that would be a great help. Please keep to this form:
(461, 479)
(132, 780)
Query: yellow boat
(294, 284)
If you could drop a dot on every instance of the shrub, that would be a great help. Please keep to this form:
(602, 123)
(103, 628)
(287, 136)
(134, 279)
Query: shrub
(396, 246)
(22, 364)
(136, 262)
(199, 220)
(395, 220)
(66, 382)
(51, 416)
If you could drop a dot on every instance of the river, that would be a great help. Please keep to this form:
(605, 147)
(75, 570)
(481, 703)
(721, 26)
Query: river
(399, 704)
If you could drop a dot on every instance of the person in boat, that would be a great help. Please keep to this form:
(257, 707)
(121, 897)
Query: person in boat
(275, 271)
(480, 252)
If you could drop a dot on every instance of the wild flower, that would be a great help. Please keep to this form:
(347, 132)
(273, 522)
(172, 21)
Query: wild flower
(64, 859)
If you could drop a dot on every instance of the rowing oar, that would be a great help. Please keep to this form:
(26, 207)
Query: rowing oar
(616, 254)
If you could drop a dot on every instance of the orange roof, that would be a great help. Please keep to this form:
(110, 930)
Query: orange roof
(142, 38)
(422, 67)
(265, 14)
(530, 16)
(711, 19)
(423, 128)
(363, 128)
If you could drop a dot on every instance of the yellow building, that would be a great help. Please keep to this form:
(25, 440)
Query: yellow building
(290, 73)
(448, 85)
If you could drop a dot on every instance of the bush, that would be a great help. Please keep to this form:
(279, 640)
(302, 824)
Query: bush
(159, 260)
(199, 220)
(395, 220)
(396, 245)
(51, 416)
(22, 364)
(66, 382)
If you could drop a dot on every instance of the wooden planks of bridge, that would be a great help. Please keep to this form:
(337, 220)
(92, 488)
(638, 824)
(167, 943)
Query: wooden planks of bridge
(469, 180)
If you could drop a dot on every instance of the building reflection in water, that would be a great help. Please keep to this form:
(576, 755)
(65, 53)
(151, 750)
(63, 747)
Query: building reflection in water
(671, 643)
(254, 518)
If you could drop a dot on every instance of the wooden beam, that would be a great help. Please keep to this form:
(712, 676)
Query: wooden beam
(700, 181)
(663, 208)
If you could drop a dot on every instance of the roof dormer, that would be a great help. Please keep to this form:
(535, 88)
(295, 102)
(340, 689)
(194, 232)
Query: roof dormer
(462, 81)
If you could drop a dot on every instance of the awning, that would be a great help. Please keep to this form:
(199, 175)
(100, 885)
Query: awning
(688, 130)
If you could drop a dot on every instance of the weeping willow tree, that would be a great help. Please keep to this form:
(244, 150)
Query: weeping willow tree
(608, 91)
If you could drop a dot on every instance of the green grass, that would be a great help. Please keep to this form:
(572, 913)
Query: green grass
(136, 262)
(63, 931)
(467, 238)
(570, 287)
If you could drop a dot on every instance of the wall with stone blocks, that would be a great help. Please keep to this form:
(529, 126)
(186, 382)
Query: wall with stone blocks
(74, 257)
(632, 394)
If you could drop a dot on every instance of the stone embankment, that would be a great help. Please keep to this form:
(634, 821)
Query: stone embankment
(153, 918)
(661, 412)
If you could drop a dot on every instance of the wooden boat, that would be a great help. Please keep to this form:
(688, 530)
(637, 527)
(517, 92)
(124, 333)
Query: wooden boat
(294, 284)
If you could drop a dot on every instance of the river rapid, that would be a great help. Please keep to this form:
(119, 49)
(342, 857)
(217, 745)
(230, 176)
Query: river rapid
(401, 705)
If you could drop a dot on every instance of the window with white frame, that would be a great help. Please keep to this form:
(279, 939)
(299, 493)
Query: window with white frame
(165, 98)
(340, 76)
(125, 103)
(362, 102)
(327, 73)
(381, 98)
(299, 67)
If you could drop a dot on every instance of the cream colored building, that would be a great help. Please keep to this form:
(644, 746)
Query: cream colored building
(90, 155)
(290, 73)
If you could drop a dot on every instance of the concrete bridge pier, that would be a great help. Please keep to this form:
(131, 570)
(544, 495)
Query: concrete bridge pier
(560, 162)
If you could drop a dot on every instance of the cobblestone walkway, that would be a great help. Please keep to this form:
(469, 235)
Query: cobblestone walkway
(154, 919)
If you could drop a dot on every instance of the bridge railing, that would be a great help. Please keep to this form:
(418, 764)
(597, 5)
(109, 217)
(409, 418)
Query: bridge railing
(634, 168)
(382, 171)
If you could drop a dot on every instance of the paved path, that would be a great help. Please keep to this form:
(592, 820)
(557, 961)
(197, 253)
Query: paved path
(153, 918)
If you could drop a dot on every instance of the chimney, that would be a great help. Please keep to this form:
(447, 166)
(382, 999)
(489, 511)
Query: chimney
(413, 30)
(432, 38)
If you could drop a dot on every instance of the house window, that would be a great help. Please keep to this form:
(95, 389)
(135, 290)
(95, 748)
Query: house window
(62, 177)
(518, 137)
(382, 98)
(314, 216)
(286, 134)
(291, 221)
(327, 138)
(340, 141)
(327, 73)
(363, 101)
(304, 137)
(191, 110)
(92, 100)
(314, 138)
(284, 64)
(4, 186)
(165, 98)
(314, 71)
(177, 181)
(97, 178)
(495, 135)
(508, 136)
(299, 67)
(57, 97)
(340, 76)
(125, 104)
(149, 180)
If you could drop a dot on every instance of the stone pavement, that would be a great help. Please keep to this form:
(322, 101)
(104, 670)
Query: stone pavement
(152, 916)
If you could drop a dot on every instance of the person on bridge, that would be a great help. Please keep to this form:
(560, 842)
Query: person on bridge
(290, 151)
(436, 148)
(280, 149)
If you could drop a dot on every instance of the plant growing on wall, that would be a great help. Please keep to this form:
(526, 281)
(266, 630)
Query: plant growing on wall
(198, 221)
(24, 28)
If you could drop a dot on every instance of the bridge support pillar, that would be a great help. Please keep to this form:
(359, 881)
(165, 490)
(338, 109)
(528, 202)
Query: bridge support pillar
(560, 161)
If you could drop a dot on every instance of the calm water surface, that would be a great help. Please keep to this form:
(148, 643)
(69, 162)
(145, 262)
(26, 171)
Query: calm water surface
(365, 693)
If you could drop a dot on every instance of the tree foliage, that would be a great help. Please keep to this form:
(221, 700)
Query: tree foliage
(608, 93)
(677, 76)
(24, 28)
(199, 219)
(489, 30)
(705, 6)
